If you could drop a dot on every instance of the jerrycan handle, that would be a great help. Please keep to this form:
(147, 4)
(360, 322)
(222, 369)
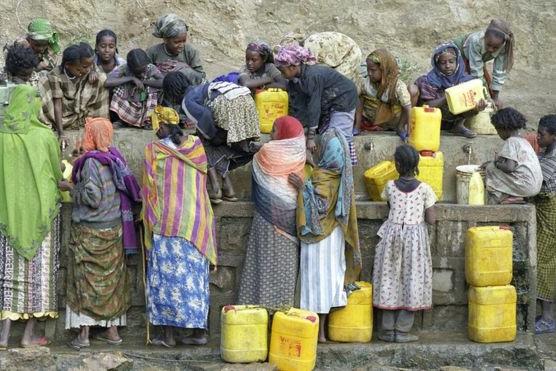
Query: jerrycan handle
(428, 109)
(273, 90)
(505, 227)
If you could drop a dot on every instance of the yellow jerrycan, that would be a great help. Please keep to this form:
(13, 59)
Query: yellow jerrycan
(424, 131)
(68, 168)
(491, 314)
(488, 256)
(271, 104)
(377, 176)
(431, 171)
(244, 334)
(293, 342)
(464, 97)
(476, 190)
(354, 322)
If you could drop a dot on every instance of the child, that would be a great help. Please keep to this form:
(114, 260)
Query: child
(21, 62)
(74, 91)
(320, 97)
(106, 51)
(175, 53)
(495, 43)
(402, 274)
(515, 173)
(448, 70)
(545, 203)
(384, 102)
(260, 71)
(137, 85)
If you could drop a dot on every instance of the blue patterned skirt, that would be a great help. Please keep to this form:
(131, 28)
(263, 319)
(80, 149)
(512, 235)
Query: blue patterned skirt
(177, 284)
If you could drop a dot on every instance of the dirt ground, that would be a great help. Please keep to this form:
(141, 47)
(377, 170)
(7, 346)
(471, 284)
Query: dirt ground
(410, 29)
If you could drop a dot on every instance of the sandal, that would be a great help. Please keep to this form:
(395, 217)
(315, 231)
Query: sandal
(162, 343)
(78, 345)
(464, 132)
(545, 327)
(512, 201)
(107, 340)
(41, 341)
(194, 340)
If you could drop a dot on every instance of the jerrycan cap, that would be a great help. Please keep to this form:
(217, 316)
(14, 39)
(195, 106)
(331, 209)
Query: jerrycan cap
(428, 109)
(427, 153)
(505, 227)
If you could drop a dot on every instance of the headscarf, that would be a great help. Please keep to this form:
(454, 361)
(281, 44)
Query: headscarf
(390, 72)
(98, 134)
(501, 26)
(287, 127)
(163, 115)
(29, 173)
(439, 80)
(168, 26)
(40, 29)
(294, 55)
(263, 49)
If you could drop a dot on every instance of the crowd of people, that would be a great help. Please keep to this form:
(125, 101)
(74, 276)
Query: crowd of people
(304, 228)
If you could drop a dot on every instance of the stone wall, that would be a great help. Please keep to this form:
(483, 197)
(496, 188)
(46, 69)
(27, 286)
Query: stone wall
(447, 249)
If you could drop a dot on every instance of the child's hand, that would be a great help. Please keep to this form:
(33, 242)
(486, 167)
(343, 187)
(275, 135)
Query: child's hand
(296, 181)
(64, 185)
(93, 77)
(311, 145)
(481, 105)
(138, 83)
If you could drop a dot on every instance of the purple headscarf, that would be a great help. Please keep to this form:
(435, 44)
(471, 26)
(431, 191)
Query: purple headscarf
(264, 50)
(440, 80)
(293, 55)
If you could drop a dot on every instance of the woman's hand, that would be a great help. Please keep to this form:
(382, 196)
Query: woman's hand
(311, 145)
(296, 181)
(64, 185)
(93, 77)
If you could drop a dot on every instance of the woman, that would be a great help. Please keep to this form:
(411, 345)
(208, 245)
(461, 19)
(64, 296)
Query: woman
(326, 219)
(448, 70)
(495, 43)
(98, 293)
(44, 41)
(180, 228)
(175, 53)
(226, 118)
(270, 269)
(29, 221)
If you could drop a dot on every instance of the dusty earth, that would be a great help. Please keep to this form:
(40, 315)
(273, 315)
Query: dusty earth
(410, 29)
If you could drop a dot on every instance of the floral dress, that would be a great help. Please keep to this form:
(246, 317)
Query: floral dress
(402, 274)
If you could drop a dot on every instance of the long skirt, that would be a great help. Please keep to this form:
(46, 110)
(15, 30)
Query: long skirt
(129, 110)
(270, 270)
(343, 121)
(97, 281)
(402, 273)
(28, 287)
(546, 248)
(177, 284)
(322, 270)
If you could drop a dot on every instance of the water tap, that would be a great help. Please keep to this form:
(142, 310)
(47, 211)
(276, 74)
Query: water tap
(369, 145)
(467, 149)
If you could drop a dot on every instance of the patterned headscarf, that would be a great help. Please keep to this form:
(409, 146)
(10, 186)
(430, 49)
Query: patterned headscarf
(263, 49)
(293, 55)
(287, 127)
(437, 78)
(168, 26)
(40, 29)
(163, 115)
(390, 72)
(500, 26)
(98, 134)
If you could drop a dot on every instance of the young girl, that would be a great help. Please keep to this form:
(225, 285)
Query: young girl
(260, 71)
(106, 51)
(515, 173)
(495, 43)
(175, 53)
(545, 203)
(447, 70)
(402, 274)
(384, 102)
(21, 62)
(137, 84)
(320, 97)
(74, 91)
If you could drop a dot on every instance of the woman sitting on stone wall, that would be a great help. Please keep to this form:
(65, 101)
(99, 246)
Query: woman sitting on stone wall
(270, 269)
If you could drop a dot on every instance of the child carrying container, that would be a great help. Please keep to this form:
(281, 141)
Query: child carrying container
(402, 274)
(515, 173)
(545, 203)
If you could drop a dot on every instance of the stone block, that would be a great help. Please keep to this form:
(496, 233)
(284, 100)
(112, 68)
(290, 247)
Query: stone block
(223, 278)
(449, 318)
(233, 233)
(450, 238)
(442, 280)
(458, 294)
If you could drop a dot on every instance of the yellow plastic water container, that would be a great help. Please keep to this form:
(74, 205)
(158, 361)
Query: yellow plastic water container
(470, 186)
(424, 132)
(244, 334)
(491, 314)
(377, 176)
(431, 171)
(488, 256)
(480, 123)
(68, 168)
(354, 322)
(271, 104)
(293, 342)
(464, 97)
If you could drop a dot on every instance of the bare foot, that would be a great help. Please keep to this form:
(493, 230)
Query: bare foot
(35, 341)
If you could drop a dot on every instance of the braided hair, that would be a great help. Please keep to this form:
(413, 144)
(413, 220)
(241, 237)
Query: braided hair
(174, 86)
(508, 119)
(407, 160)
